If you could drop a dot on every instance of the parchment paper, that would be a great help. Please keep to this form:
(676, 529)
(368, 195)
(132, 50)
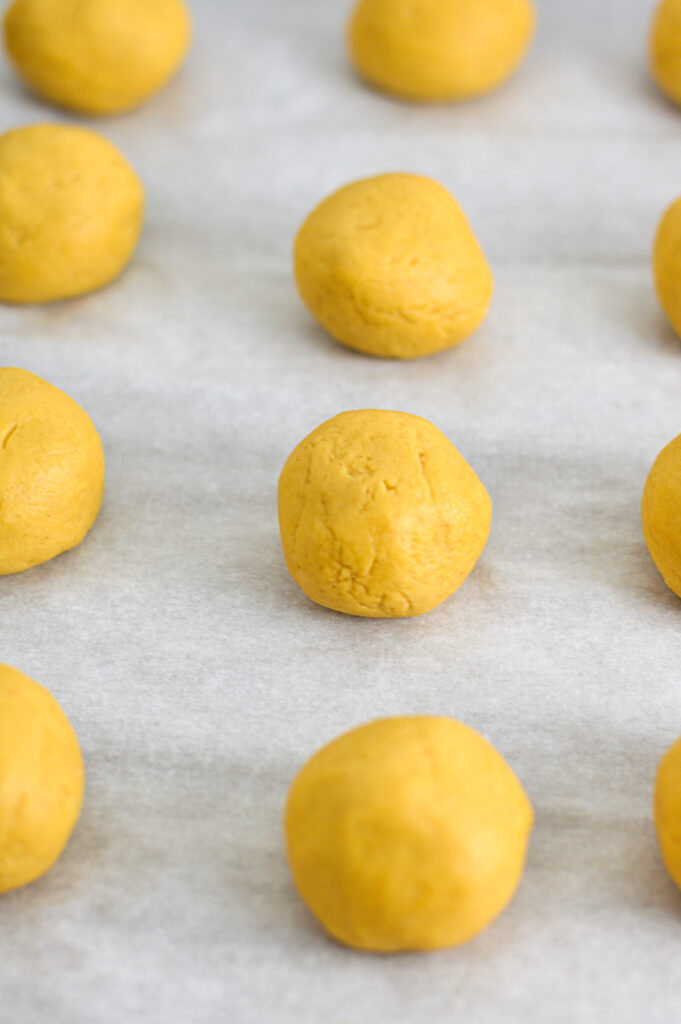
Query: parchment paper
(199, 677)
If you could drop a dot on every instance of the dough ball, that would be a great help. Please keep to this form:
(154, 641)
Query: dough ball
(51, 471)
(665, 48)
(71, 211)
(389, 266)
(661, 514)
(380, 515)
(97, 56)
(41, 780)
(667, 810)
(407, 834)
(439, 49)
(667, 264)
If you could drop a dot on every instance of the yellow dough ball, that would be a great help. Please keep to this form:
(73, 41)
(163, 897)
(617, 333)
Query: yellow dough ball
(407, 834)
(667, 810)
(71, 211)
(667, 264)
(51, 471)
(439, 49)
(41, 780)
(380, 515)
(665, 48)
(661, 514)
(97, 56)
(389, 266)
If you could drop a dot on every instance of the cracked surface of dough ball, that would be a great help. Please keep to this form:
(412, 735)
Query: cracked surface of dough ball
(661, 514)
(380, 515)
(439, 49)
(407, 834)
(389, 266)
(667, 810)
(97, 56)
(667, 264)
(41, 779)
(71, 211)
(51, 471)
(664, 48)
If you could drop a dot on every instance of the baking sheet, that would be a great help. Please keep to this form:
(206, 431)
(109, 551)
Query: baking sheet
(199, 677)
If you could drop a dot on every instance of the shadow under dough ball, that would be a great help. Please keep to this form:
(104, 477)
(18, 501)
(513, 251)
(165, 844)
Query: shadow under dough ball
(389, 266)
(71, 212)
(97, 56)
(41, 780)
(380, 515)
(439, 49)
(51, 471)
(407, 834)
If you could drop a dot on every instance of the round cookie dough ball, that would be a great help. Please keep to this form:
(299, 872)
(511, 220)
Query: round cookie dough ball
(380, 515)
(667, 810)
(407, 834)
(665, 48)
(667, 264)
(51, 471)
(389, 266)
(439, 49)
(97, 56)
(661, 514)
(41, 780)
(71, 211)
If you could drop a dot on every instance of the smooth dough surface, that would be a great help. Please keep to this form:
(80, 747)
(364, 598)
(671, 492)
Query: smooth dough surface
(661, 514)
(390, 266)
(667, 810)
(667, 264)
(380, 515)
(51, 471)
(71, 211)
(439, 49)
(41, 779)
(97, 56)
(407, 833)
(664, 48)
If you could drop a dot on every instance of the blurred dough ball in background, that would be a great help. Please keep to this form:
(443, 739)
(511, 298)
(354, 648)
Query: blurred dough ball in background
(661, 514)
(439, 49)
(41, 779)
(667, 263)
(71, 212)
(665, 48)
(667, 810)
(389, 266)
(407, 833)
(51, 471)
(97, 56)
(380, 515)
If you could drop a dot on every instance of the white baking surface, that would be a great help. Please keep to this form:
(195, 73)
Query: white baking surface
(200, 678)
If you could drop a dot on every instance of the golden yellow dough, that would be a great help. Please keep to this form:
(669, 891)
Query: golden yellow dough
(407, 834)
(667, 810)
(390, 266)
(661, 514)
(51, 471)
(439, 49)
(664, 48)
(97, 56)
(41, 779)
(380, 515)
(71, 211)
(667, 264)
